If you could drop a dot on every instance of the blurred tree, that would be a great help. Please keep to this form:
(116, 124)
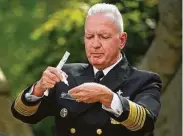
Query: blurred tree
(140, 19)
(164, 57)
(165, 52)
(9, 126)
(169, 121)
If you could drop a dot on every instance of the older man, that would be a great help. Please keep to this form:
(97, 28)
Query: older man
(112, 97)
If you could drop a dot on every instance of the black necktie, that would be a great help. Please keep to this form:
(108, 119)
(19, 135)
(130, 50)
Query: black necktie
(94, 114)
(98, 76)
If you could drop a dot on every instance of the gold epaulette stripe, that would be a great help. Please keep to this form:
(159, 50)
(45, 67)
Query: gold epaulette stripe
(141, 121)
(148, 112)
(23, 109)
(136, 117)
(130, 118)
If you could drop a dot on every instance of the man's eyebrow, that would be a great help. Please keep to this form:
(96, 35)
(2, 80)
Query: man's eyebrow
(104, 32)
(88, 33)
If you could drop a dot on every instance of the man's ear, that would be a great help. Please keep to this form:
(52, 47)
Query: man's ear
(123, 38)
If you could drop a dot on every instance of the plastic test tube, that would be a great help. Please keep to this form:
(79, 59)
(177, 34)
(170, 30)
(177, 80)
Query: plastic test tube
(59, 66)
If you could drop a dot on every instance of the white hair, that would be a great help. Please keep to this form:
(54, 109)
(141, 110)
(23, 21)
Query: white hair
(108, 8)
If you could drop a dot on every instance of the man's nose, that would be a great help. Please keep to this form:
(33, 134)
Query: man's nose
(96, 42)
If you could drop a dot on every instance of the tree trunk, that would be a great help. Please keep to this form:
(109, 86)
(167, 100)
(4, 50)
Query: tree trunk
(4, 88)
(164, 57)
(9, 126)
(169, 122)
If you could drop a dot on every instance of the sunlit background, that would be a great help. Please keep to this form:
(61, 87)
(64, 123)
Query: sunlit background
(35, 34)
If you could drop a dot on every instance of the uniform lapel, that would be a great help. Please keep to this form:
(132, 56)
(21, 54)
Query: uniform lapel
(86, 75)
(117, 75)
(112, 80)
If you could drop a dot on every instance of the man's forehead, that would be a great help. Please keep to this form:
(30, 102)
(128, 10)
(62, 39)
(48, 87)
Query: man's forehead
(104, 22)
(101, 16)
(101, 31)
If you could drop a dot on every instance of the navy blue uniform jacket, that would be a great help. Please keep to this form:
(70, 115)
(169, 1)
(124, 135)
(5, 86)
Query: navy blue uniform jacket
(140, 99)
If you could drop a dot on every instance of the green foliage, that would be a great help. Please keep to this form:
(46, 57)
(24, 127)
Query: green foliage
(44, 128)
(35, 34)
(140, 18)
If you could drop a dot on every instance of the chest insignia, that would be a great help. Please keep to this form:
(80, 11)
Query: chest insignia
(63, 112)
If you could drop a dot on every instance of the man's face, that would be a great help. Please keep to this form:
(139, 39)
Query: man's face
(103, 41)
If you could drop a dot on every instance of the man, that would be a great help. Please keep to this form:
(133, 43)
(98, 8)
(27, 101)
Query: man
(112, 98)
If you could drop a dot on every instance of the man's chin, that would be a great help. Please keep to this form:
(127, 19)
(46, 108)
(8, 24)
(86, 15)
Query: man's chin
(98, 65)
(98, 62)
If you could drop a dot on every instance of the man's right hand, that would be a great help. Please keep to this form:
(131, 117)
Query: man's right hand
(49, 78)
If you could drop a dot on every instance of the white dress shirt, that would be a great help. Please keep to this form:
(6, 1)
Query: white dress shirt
(116, 106)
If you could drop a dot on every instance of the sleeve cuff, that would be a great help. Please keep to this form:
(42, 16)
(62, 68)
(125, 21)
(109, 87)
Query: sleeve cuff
(116, 106)
(23, 109)
(32, 98)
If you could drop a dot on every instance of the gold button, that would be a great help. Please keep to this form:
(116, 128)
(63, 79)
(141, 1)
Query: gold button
(73, 130)
(99, 131)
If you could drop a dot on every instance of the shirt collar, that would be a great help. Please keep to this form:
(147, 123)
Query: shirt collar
(106, 70)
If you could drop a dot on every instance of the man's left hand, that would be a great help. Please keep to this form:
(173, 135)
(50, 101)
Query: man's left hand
(91, 93)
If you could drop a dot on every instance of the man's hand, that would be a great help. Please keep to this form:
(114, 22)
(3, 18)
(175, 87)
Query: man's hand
(49, 78)
(92, 92)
